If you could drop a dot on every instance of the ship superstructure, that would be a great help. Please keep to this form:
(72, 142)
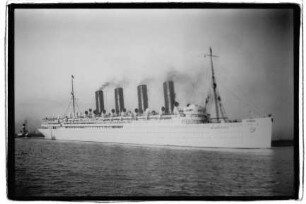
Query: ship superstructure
(175, 126)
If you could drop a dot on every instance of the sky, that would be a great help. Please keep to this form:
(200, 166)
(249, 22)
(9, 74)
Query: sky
(128, 47)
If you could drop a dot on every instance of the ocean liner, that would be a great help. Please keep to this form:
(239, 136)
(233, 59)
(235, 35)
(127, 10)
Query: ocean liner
(190, 126)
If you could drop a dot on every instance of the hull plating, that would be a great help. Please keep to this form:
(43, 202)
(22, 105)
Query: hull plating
(255, 134)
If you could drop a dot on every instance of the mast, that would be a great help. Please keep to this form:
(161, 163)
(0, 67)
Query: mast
(72, 94)
(214, 84)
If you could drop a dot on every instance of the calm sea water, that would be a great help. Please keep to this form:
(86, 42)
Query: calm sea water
(62, 168)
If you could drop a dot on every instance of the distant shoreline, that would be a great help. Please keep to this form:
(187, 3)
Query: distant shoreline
(281, 143)
(33, 135)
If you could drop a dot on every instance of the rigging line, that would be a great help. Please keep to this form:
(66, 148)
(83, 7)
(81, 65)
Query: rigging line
(208, 84)
(252, 106)
(67, 108)
(209, 101)
(78, 110)
(256, 109)
(222, 109)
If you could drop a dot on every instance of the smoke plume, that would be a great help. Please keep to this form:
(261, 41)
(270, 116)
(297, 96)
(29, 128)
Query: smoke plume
(114, 83)
(174, 75)
(190, 86)
(147, 80)
(194, 78)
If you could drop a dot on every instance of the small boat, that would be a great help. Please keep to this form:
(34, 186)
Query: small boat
(23, 132)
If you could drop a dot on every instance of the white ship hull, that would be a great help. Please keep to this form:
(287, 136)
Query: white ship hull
(253, 133)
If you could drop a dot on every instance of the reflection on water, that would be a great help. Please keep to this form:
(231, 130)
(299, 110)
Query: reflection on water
(58, 168)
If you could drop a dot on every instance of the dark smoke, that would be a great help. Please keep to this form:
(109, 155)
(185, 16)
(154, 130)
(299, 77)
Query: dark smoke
(146, 80)
(194, 79)
(190, 86)
(114, 83)
(106, 84)
(174, 75)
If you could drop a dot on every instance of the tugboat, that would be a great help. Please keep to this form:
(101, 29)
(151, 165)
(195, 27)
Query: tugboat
(23, 132)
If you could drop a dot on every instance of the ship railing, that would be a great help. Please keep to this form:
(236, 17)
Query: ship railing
(49, 119)
(50, 122)
(116, 119)
(218, 120)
